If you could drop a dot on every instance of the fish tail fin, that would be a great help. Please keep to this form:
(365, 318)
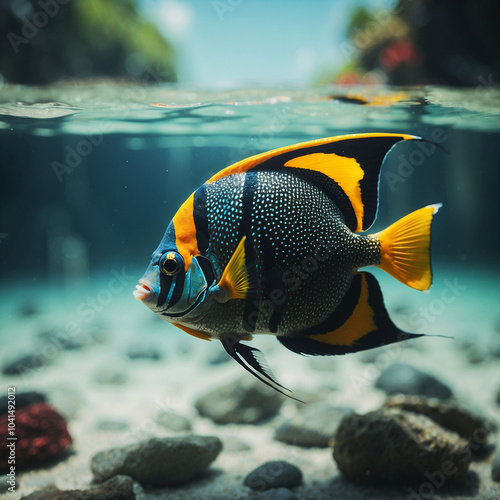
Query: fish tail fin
(405, 248)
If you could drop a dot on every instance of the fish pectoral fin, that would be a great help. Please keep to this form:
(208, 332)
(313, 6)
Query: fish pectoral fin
(254, 362)
(194, 333)
(405, 248)
(358, 323)
(236, 281)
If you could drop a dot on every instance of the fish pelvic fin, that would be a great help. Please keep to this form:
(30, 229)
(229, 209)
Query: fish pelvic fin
(405, 248)
(254, 362)
(235, 281)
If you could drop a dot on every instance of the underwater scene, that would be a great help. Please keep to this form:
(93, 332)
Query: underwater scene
(103, 394)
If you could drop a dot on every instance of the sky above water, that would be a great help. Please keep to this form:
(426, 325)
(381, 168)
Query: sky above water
(245, 42)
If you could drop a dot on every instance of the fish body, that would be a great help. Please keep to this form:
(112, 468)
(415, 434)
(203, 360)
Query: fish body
(270, 245)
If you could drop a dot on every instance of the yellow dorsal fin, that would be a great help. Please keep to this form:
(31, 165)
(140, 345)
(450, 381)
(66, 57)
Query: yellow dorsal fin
(234, 281)
(405, 248)
(192, 332)
(346, 172)
(352, 161)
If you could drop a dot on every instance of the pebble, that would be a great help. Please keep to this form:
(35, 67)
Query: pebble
(144, 352)
(173, 421)
(158, 461)
(405, 379)
(23, 364)
(448, 415)
(22, 399)
(117, 488)
(498, 397)
(314, 425)
(243, 401)
(392, 444)
(495, 468)
(274, 474)
(275, 494)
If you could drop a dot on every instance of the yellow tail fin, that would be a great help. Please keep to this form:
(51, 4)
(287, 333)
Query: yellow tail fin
(405, 248)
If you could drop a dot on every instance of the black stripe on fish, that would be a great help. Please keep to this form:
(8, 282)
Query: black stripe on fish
(165, 284)
(376, 332)
(200, 218)
(251, 310)
(274, 289)
(178, 288)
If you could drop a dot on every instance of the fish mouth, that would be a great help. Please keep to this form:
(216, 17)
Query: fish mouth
(199, 298)
(143, 291)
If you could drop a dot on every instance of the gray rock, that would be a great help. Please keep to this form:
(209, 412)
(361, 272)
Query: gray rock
(405, 379)
(275, 494)
(495, 468)
(117, 488)
(24, 363)
(243, 401)
(497, 399)
(274, 474)
(447, 414)
(173, 421)
(314, 425)
(158, 461)
(391, 444)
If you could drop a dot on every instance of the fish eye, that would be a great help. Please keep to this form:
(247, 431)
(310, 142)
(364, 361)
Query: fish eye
(171, 263)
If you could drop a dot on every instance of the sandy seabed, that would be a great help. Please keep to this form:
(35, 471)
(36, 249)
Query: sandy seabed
(98, 383)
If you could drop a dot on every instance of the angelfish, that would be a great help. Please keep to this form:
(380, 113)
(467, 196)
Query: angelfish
(273, 244)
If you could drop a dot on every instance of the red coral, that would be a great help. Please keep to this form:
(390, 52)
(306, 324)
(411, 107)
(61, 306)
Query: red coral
(41, 433)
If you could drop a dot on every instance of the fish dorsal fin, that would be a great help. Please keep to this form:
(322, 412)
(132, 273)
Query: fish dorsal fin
(358, 323)
(235, 279)
(254, 362)
(346, 167)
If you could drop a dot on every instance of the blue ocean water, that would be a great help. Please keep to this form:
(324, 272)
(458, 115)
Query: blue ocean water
(91, 175)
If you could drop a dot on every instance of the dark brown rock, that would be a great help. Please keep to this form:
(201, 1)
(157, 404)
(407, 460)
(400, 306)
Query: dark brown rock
(447, 414)
(392, 444)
